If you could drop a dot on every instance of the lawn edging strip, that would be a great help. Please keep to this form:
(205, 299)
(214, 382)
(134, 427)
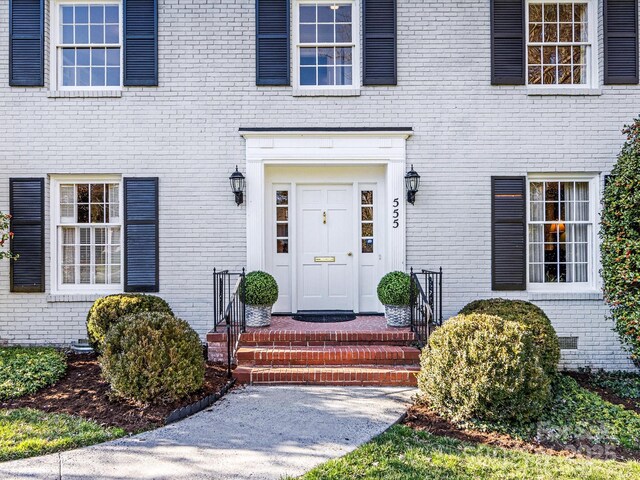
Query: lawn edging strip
(187, 411)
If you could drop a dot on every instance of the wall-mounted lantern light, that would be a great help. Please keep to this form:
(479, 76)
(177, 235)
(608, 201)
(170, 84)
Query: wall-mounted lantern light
(412, 182)
(237, 186)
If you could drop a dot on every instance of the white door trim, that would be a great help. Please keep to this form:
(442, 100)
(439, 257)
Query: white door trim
(288, 148)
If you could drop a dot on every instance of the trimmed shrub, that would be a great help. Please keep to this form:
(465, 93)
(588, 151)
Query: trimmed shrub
(483, 367)
(530, 316)
(261, 289)
(153, 357)
(108, 310)
(394, 289)
(620, 247)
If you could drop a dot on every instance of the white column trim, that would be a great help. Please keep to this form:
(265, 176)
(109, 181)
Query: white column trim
(303, 148)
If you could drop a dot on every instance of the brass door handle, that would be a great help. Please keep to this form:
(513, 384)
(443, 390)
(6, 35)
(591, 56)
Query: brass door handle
(324, 218)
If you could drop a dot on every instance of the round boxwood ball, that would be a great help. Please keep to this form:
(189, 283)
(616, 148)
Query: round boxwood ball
(153, 357)
(260, 289)
(483, 367)
(394, 289)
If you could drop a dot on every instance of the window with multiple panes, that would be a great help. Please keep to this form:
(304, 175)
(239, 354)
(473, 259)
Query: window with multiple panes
(89, 235)
(326, 44)
(88, 45)
(561, 228)
(559, 43)
(366, 220)
(282, 221)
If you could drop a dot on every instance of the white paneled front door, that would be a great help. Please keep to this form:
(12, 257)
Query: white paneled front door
(325, 241)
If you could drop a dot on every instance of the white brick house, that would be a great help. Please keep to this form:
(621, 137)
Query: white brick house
(326, 146)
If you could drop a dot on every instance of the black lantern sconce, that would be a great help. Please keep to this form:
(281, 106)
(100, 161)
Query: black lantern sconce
(412, 182)
(237, 186)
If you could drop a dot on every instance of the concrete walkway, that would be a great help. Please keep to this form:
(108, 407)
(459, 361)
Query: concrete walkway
(254, 432)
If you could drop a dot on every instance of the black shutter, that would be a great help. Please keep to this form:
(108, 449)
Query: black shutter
(379, 49)
(620, 42)
(508, 233)
(140, 42)
(272, 42)
(26, 198)
(141, 243)
(507, 42)
(26, 43)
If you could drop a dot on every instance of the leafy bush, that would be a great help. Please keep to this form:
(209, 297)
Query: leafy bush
(153, 357)
(623, 384)
(481, 366)
(26, 370)
(107, 310)
(394, 289)
(260, 289)
(530, 316)
(620, 246)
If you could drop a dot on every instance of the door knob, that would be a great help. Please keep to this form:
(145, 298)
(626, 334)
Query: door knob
(349, 254)
(324, 218)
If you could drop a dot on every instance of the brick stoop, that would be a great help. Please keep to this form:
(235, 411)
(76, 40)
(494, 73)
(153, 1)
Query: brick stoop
(366, 353)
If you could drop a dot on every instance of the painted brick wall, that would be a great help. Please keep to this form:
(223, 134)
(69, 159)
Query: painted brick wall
(186, 132)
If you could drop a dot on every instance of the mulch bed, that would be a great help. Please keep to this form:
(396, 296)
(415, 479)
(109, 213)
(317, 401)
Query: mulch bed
(84, 393)
(584, 380)
(421, 417)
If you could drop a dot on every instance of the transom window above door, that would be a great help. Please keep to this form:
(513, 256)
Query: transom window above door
(88, 45)
(326, 38)
(560, 43)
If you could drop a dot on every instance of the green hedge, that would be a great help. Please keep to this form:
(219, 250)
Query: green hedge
(620, 246)
(483, 367)
(108, 310)
(25, 370)
(153, 357)
(394, 289)
(260, 289)
(532, 317)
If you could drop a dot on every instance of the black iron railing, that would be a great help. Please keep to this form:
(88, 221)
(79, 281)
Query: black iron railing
(229, 310)
(426, 303)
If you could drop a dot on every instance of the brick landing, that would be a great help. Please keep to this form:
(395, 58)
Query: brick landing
(361, 352)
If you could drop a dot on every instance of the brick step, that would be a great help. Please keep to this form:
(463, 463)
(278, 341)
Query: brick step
(351, 376)
(330, 355)
(324, 338)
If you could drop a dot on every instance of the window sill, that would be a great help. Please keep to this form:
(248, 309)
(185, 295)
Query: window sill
(591, 295)
(85, 94)
(324, 92)
(559, 91)
(73, 297)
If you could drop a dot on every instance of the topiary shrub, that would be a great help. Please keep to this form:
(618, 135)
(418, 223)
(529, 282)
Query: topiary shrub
(532, 317)
(260, 289)
(620, 247)
(483, 367)
(153, 357)
(107, 310)
(394, 289)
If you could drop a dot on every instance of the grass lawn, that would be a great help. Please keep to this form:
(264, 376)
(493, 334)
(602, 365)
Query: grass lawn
(404, 453)
(27, 433)
(26, 370)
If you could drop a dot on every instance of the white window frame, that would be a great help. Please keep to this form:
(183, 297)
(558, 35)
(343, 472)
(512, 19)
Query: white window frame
(594, 283)
(355, 44)
(592, 57)
(57, 287)
(55, 45)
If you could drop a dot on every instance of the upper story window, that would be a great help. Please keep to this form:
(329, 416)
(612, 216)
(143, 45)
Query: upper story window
(326, 43)
(88, 238)
(560, 43)
(88, 45)
(562, 228)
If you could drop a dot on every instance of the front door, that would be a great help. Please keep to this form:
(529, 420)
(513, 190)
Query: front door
(325, 233)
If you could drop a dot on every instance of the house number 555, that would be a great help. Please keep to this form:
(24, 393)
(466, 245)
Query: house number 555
(396, 212)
